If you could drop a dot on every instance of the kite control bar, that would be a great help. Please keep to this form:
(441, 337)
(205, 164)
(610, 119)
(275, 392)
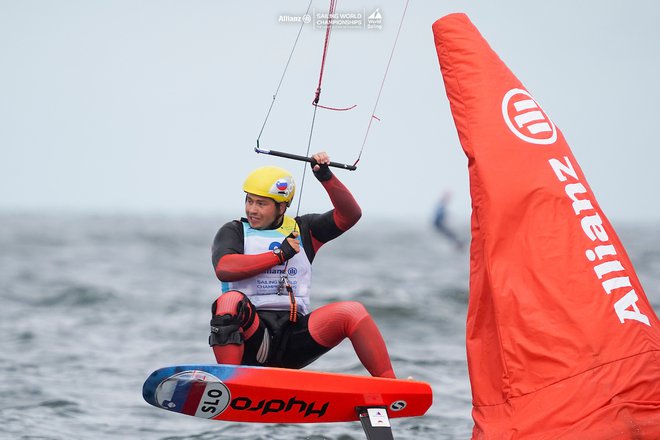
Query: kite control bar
(302, 158)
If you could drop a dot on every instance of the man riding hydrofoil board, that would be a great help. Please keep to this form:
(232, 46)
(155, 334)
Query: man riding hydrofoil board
(264, 316)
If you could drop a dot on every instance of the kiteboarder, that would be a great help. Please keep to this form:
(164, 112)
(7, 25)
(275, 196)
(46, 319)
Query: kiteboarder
(264, 317)
(440, 222)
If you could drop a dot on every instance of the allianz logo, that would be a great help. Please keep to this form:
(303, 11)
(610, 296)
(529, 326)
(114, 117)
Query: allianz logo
(525, 118)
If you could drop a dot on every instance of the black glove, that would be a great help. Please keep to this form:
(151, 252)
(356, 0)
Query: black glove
(323, 173)
(287, 251)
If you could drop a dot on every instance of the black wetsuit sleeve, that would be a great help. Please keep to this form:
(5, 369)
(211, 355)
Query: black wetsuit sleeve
(228, 240)
(316, 230)
(322, 227)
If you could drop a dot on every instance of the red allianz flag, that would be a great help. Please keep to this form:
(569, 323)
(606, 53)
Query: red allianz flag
(562, 342)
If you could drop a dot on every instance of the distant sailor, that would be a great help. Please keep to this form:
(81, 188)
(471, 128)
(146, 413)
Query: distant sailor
(264, 316)
(440, 222)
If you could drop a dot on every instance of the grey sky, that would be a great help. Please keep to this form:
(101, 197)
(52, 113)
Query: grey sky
(155, 106)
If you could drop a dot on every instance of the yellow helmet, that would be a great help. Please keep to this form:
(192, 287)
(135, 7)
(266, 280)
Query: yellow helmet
(272, 182)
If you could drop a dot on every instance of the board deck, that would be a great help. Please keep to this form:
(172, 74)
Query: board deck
(278, 395)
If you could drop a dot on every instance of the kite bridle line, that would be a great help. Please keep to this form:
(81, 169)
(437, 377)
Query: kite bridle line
(315, 102)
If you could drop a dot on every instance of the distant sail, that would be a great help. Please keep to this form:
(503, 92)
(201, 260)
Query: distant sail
(562, 341)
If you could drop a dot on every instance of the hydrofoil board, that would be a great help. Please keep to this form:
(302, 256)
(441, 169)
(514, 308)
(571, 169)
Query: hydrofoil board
(278, 395)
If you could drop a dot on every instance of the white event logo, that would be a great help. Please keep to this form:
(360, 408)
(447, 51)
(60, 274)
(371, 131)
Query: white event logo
(526, 119)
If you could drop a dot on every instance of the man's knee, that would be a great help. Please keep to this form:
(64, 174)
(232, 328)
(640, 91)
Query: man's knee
(233, 313)
(350, 312)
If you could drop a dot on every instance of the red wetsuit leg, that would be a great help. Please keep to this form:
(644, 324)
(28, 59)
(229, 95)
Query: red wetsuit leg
(227, 304)
(228, 354)
(331, 324)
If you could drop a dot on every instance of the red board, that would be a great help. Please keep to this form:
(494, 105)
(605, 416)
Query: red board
(277, 395)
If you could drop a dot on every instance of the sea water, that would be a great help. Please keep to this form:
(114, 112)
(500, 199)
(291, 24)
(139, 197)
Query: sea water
(91, 305)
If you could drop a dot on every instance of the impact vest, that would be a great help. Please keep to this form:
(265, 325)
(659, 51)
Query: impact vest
(265, 290)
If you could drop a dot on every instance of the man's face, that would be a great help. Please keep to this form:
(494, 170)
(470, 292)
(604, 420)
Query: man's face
(261, 212)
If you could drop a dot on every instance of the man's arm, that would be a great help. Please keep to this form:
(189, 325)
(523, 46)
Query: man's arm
(228, 259)
(346, 212)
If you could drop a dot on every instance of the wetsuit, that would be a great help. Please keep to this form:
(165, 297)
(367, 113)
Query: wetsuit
(260, 331)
